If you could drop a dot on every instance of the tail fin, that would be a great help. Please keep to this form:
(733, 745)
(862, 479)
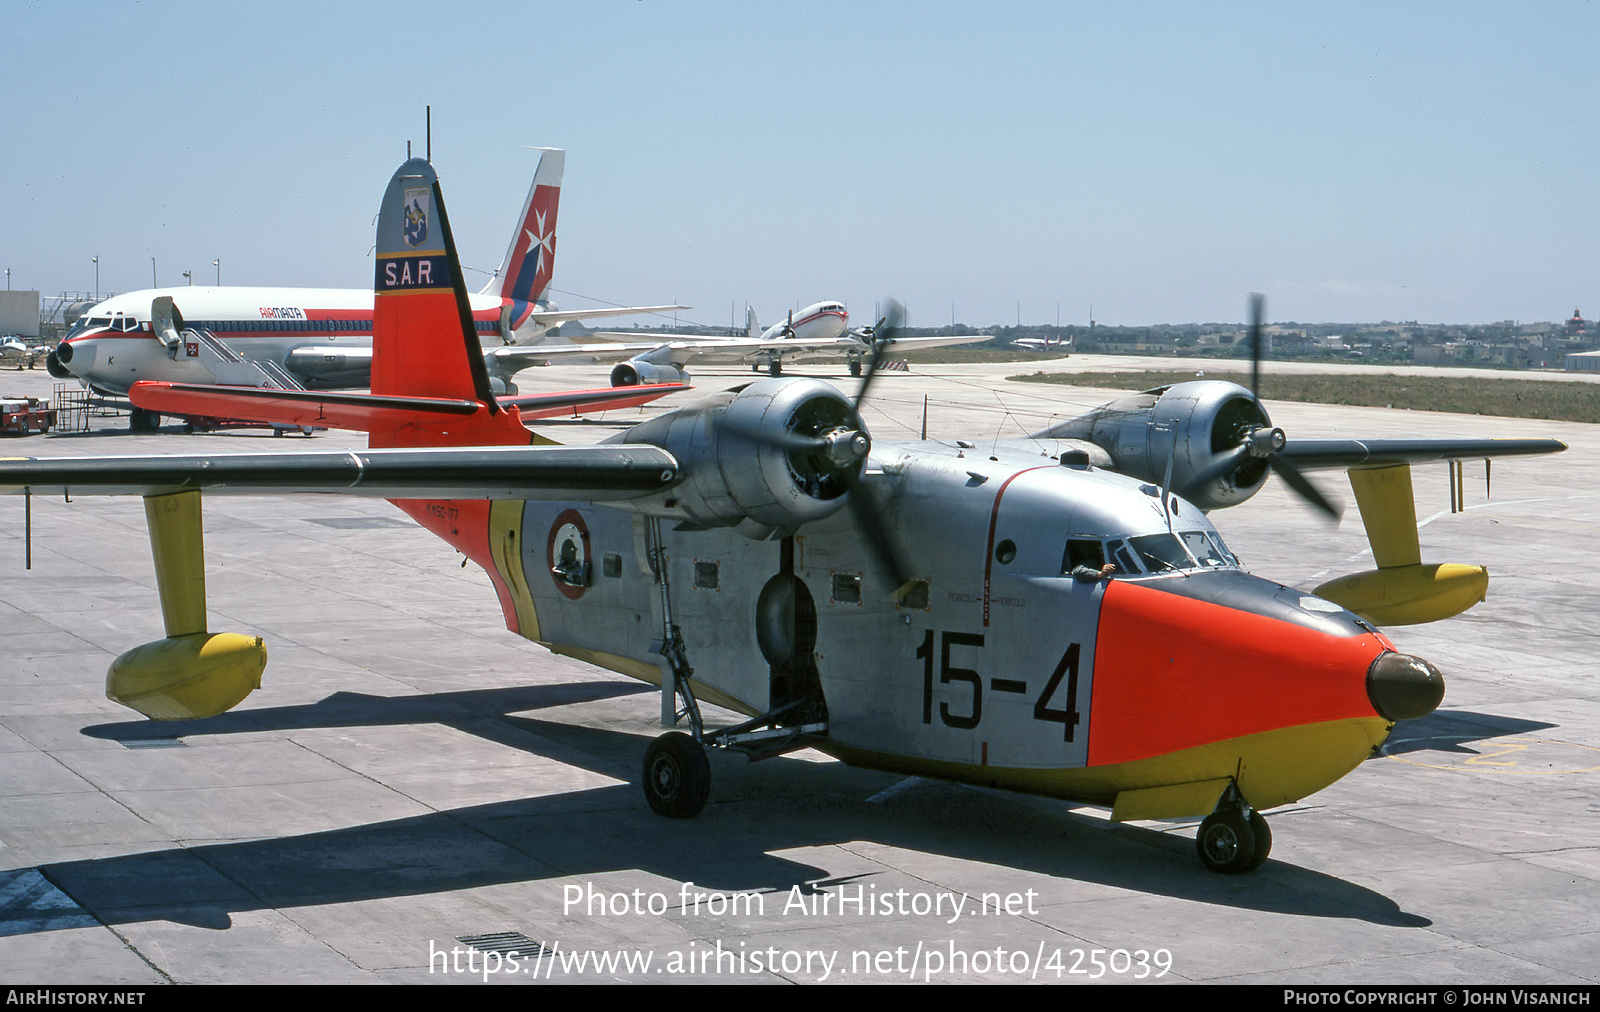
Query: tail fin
(525, 273)
(751, 327)
(424, 341)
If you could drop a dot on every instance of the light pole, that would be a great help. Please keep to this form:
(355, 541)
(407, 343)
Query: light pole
(96, 278)
(188, 276)
(153, 282)
(218, 265)
(8, 279)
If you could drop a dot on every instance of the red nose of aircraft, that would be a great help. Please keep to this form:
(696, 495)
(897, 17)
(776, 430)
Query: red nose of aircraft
(1218, 675)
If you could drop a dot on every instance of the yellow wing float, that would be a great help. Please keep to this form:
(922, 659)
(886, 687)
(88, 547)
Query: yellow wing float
(1403, 590)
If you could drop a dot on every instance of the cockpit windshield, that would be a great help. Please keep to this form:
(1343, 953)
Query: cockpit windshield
(1180, 551)
(88, 323)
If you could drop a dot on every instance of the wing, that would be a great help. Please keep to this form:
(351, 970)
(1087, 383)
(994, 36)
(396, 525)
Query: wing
(1325, 454)
(920, 343)
(515, 357)
(594, 473)
(554, 317)
(739, 349)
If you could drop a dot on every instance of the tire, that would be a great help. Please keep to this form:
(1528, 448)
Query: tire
(855, 368)
(1263, 834)
(677, 776)
(1226, 843)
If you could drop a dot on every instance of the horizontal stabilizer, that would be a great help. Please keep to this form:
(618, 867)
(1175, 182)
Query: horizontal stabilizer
(601, 399)
(366, 412)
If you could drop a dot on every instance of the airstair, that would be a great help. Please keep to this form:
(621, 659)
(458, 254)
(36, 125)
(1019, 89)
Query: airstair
(229, 368)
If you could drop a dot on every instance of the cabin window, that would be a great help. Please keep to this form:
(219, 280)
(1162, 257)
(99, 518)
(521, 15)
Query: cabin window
(611, 565)
(707, 575)
(847, 588)
(915, 597)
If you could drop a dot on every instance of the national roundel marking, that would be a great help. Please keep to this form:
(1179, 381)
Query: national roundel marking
(567, 554)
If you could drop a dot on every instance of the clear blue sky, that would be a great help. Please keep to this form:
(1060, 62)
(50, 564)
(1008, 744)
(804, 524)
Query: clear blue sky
(1353, 161)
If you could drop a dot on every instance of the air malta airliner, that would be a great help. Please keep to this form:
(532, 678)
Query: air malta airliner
(315, 337)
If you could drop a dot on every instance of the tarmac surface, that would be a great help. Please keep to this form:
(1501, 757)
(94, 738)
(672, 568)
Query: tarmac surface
(411, 773)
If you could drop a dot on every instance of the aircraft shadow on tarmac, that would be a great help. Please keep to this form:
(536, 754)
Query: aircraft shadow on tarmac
(757, 811)
(1452, 731)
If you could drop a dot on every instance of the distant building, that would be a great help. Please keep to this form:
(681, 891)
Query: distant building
(1581, 361)
(1578, 329)
(19, 314)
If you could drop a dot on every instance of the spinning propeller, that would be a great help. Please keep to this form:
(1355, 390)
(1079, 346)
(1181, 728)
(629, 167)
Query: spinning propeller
(1261, 442)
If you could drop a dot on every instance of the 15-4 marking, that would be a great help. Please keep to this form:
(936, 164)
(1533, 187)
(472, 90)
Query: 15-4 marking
(1067, 716)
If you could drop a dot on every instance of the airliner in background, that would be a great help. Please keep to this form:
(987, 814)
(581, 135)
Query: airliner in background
(315, 337)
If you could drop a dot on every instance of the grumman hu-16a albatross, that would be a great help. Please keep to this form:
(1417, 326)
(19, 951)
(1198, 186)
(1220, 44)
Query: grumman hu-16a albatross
(1072, 627)
(294, 338)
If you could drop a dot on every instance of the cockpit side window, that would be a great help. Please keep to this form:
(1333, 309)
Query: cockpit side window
(1123, 557)
(1083, 552)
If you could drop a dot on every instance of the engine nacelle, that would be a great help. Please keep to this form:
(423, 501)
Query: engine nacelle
(1189, 425)
(54, 366)
(639, 372)
(736, 453)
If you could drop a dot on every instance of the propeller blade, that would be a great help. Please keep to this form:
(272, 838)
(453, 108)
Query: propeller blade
(1258, 303)
(1226, 464)
(886, 330)
(877, 533)
(1293, 477)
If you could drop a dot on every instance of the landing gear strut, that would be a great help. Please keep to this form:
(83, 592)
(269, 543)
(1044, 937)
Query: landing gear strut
(1235, 838)
(676, 774)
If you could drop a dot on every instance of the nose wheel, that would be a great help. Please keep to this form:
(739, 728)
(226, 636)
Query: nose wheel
(1234, 839)
(677, 776)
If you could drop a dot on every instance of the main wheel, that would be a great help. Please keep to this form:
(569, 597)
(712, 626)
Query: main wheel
(775, 367)
(677, 776)
(855, 367)
(1227, 843)
(1263, 834)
